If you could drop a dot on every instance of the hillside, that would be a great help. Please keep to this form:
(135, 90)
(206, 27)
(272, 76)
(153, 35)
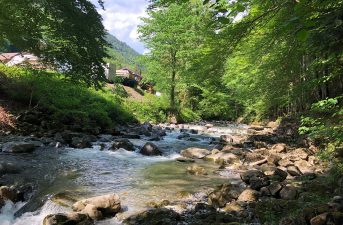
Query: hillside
(121, 54)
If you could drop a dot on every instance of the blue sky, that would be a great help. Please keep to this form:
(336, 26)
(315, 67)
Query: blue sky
(121, 18)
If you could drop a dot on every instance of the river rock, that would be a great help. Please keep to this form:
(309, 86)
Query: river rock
(256, 179)
(159, 216)
(274, 188)
(285, 162)
(108, 205)
(150, 149)
(298, 154)
(196, 170)
(248, 195)
(288, 193)
(274, 173)
(7, 193)
(304, 166)
(220, 157)
(195, 153)
(18, 147)
(123, 143)
(319, 220)
(273, 159)
(70, 218)
(8, 168)
(294, 171)
(81, 142)
(253, 157)
(279, 148)
(231, 139)
(93, 212)
(222, 195)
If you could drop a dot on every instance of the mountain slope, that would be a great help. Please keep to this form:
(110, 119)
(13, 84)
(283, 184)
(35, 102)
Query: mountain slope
(120, 53)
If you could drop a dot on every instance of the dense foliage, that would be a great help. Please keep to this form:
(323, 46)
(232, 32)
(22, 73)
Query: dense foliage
(253, 59)
(69, 35)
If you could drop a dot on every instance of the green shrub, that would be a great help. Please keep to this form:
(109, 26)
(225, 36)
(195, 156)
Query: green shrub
(188, 115)
(153, 109)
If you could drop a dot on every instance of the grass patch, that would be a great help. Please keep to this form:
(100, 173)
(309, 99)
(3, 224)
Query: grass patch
(73, 105)
(66, 102)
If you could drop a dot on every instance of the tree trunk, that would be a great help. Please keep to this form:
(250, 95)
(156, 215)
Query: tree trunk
(172, 93)
(173, 83)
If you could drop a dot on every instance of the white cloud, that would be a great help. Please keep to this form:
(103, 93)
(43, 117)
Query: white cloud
(121, 18)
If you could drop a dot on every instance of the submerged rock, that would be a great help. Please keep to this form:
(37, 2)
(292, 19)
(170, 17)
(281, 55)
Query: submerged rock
(150, 149)
(18, 147)
(8, 168)
(196, 170)
(185, 160)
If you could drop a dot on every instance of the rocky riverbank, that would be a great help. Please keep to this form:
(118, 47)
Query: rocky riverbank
(273, 175)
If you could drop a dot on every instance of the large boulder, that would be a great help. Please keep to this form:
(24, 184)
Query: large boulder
(71, 218)
(18, 147)
(100, 206)
(159, 216)
(9, 194)
(123, 143)
(195, 153)
(150, 149)
(81, 142)
(256, 179)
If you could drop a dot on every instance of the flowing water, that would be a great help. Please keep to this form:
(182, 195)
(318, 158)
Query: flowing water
(83, 173)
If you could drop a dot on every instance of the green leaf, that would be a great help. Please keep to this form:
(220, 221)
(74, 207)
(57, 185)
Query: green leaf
(224, 20)
(240, 8)
(205, 2)
(302, 35)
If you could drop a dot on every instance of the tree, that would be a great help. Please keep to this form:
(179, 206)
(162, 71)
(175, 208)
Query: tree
(66, 34)
(168, 33)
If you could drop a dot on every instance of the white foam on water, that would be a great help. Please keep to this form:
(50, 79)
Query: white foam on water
(7, 212)
(32, 218)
